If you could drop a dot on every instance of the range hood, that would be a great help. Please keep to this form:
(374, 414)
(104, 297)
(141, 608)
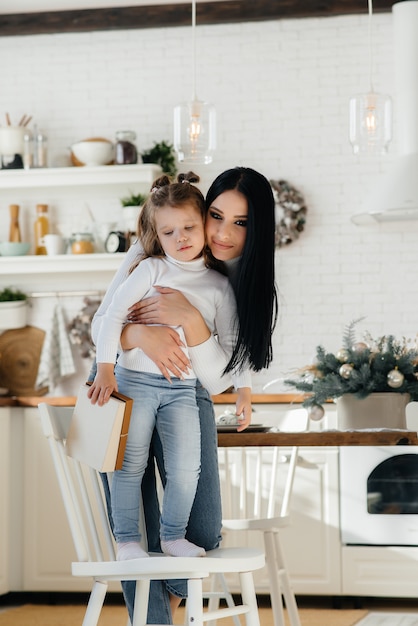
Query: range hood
(394, 196)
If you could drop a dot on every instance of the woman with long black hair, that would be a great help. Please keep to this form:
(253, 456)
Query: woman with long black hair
(240, 225)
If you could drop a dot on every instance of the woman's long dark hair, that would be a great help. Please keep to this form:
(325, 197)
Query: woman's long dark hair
(254, 284)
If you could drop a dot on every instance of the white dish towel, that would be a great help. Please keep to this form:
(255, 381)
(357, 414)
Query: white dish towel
(56, 360)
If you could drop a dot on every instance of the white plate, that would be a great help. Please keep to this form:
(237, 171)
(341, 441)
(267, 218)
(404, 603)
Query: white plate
(232, 428)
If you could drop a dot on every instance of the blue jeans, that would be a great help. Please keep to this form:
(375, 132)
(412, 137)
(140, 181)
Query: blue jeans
(205, 520)
(170, 407)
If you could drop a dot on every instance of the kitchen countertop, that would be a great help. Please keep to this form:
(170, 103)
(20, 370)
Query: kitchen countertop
(317, 438)
(223, 398)
(320, 438)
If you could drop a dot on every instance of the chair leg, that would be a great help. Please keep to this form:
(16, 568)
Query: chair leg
(95, 603)
(215, 596)
(141, 603)
(288, 593)
(213, 603)
(194, 602)
(249, 598)
(275, 568)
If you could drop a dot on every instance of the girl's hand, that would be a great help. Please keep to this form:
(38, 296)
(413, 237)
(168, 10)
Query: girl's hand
(170, 307)
(103, 385)
(161, 344)
(243, 408)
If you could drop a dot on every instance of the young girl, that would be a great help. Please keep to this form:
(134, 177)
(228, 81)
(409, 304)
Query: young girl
(171, 232)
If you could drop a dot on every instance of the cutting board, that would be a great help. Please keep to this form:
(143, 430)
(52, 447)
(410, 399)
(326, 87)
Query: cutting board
(20, 353)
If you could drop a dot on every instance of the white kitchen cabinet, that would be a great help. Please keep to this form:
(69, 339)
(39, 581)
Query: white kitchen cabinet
(48, 547)
(33, 521)
(381, 571)
(5, 475)
(311, 543)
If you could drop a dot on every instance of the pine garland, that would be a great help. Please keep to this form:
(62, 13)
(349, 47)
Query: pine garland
(382, 365)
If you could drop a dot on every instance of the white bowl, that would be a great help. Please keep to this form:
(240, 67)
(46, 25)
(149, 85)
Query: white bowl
(99, 152)
(11, 248)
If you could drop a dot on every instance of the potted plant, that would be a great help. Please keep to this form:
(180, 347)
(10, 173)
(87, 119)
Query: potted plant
(162, 154)
(368, 379)
(133, 199)
(131, 207)
(13, 308)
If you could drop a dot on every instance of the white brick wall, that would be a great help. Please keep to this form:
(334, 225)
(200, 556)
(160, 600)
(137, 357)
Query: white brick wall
(281, 90)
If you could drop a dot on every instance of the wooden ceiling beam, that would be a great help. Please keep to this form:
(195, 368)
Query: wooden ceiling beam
(168, 15)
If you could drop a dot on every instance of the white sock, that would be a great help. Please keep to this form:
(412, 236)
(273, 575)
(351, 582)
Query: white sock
(181, 547)
(130, 550)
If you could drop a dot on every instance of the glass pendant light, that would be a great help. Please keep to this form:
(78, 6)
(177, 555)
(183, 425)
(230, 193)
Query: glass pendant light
(194, 121)
(370, 114)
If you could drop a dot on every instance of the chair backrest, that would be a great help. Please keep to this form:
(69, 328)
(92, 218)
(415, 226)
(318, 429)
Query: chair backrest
(81, 490)
(257, 483)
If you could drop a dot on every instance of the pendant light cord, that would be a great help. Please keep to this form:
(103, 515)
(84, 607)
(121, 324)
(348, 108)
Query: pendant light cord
(370, 5)
(194, 47)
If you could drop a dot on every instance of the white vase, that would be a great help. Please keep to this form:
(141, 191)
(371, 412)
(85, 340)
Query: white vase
(378, 410)
(130, 217)
(13, 314)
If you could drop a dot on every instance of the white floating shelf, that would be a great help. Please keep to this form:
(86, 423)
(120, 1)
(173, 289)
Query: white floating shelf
(389, 215)
(76, 176)
(60, 264)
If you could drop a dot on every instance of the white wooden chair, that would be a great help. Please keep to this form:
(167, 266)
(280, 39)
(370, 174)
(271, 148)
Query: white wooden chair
(85, 507)
(256, 492)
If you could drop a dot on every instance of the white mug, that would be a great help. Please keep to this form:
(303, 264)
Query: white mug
(11, 139)
(54, 244)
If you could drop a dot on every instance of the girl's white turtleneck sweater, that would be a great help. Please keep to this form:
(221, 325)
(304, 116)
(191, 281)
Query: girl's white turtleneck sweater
(206, 289)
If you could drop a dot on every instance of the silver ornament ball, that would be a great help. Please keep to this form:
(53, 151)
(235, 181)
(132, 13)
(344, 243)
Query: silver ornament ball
(360, 346)
(343, 355)
(316, 412)
(395, 379)
(345, 370)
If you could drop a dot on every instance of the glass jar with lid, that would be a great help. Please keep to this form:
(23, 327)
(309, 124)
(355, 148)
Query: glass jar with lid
(82, 243)
(125, 148)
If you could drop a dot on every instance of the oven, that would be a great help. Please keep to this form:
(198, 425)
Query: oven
(379, 495)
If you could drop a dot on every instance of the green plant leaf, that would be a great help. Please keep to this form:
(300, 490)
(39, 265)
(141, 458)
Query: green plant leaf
(162, 154)
(133, 199)
(8, 294)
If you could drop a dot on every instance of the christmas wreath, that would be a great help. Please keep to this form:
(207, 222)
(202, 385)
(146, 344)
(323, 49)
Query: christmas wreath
(360, 368)
(290, 212)
(79, 328)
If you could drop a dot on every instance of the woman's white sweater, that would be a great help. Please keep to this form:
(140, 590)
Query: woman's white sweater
(206, 289)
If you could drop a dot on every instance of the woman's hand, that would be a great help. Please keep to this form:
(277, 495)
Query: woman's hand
(171, 308)
(243, 408)
(161, 344)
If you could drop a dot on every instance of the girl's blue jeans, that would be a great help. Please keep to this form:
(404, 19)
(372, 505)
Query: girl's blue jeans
(204, 528)
(171, 408)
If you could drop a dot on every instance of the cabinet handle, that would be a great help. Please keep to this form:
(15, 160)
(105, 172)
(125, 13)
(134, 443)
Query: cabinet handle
(300, 461)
